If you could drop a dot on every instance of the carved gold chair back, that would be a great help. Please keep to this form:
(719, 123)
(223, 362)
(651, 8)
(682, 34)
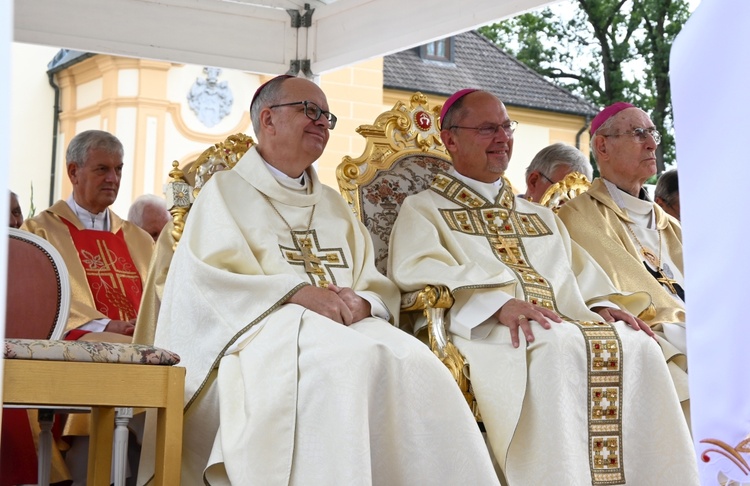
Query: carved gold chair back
(561, 192)
(181, 193)
(402, 155)
(183, 187)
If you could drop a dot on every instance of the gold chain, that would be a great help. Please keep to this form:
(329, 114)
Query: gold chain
(309, 223)
(646, 253)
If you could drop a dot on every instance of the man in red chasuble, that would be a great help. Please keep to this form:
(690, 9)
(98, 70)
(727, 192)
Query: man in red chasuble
(107, 257)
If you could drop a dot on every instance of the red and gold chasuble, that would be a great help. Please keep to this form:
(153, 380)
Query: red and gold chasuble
(112, 276)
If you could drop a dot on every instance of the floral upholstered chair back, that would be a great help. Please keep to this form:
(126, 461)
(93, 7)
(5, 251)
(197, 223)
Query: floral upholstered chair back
(402, 156)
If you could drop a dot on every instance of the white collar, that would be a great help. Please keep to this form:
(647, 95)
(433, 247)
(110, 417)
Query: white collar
(488, 190)
(88, 219)
(638, 208)
(298, 184)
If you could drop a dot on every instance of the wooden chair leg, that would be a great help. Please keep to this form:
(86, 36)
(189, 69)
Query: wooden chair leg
(44, 452)
(100, 446)
(169, 435)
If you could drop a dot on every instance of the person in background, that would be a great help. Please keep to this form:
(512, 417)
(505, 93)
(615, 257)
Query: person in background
(107, 258)
(149, 212)
(16, 214)
(550, 165)
(667, 193)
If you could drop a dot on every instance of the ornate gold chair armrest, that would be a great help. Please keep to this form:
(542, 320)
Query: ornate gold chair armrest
(434, 301)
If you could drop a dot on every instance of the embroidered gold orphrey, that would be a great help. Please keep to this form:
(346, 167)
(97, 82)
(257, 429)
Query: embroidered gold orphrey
(504, 228)
(317, 261)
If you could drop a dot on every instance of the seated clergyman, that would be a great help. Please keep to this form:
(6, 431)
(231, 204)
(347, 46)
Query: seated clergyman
(636, 243)
(273, 301)
(572, 388)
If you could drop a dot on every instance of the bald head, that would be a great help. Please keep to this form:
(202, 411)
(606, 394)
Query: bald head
(292, 121)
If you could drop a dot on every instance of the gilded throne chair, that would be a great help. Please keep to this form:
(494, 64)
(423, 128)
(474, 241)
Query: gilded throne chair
(402, 155)
(561, 192)
(183, 187)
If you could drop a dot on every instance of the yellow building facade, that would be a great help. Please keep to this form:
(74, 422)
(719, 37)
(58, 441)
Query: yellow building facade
(146, 105)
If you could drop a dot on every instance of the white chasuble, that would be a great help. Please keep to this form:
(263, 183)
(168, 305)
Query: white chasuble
(276, 394)
(584, 403)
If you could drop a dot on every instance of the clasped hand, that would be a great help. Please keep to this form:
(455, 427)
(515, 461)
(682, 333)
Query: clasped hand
(121, 327)
(342, 305)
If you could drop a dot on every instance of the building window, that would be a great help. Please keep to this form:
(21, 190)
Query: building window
(441, 50)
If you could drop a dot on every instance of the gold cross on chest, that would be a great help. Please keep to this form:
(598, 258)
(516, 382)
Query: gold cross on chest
(309, 259)
(317, 262)
(505, 246)
(665, 280)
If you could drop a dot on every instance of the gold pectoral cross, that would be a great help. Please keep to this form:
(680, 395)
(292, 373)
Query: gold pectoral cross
(507, 246)
(311, 260)
(308, 258)
(316, 261)
(665, 280)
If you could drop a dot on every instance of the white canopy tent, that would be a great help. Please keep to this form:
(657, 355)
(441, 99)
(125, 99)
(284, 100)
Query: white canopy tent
(253, 35)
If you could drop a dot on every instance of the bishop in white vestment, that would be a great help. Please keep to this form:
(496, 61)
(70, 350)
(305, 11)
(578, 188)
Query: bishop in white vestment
(578, 397)
(276, 392)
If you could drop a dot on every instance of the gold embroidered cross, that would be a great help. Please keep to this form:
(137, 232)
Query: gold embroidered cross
(317, 262)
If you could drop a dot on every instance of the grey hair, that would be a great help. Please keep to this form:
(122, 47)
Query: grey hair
(559, 154)
(667, 186)
(269, 94)
(135, 213)
(606, 126)
(79, 147)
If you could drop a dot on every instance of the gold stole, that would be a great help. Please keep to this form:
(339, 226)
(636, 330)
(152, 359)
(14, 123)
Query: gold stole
(112, 276)
(504, 229)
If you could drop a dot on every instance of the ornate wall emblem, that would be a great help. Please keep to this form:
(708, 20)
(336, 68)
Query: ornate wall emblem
(210, 99)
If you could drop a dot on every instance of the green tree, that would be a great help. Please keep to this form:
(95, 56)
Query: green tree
(604, 50)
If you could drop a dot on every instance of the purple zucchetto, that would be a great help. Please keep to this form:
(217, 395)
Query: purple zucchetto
(608, 113)
(260, 88)
(450, 101)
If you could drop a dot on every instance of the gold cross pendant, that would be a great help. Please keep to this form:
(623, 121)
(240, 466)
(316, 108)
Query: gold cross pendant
(507, 246)
(665, 280)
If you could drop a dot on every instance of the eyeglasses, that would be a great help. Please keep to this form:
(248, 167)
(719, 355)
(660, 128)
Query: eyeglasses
(490, 130)
(548, 179)
(313, 112)
(640, 135)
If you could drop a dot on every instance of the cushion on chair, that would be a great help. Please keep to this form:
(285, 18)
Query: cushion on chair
(84, 351)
